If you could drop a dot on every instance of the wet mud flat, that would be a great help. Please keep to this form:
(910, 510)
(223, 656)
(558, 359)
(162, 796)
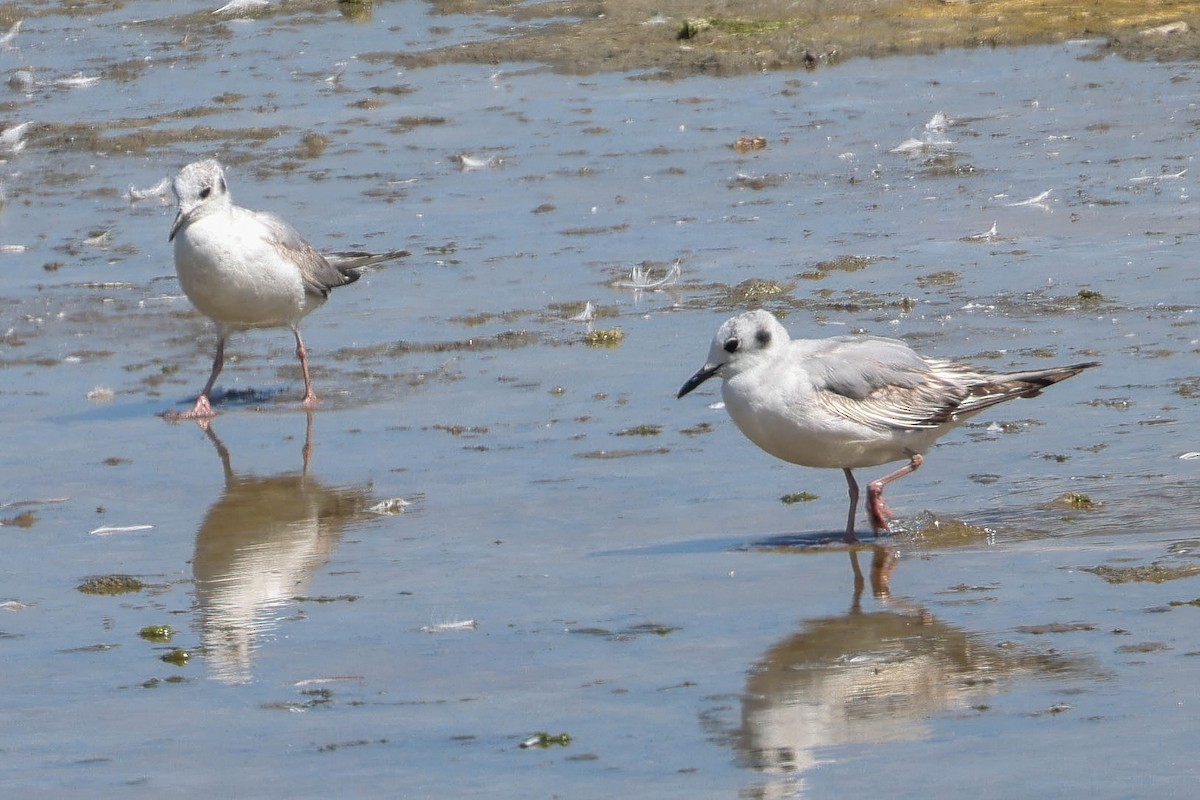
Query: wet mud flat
(733, 38)
(501, 559)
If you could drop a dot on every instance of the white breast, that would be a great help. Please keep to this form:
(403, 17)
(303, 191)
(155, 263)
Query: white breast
(787, 421)
(236, 277)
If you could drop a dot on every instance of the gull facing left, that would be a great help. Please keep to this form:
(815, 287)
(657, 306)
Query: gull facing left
(249, 269)
(851, 401)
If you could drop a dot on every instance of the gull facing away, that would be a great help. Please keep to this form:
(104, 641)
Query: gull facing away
(850, 401)
(249, 269)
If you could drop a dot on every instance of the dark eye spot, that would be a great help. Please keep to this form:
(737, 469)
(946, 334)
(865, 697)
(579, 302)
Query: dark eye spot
(731, 345)
(763, 337)
(205, 192)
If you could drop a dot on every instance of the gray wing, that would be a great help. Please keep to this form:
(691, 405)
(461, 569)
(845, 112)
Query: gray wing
(882, 383)
(319, 275)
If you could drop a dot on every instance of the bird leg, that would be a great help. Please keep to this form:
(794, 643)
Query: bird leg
(203, 408)
(310, 397)
(849, 537)
(878, 510)
(201, 411)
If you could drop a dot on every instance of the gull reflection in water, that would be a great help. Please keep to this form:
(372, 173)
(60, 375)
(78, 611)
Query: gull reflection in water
(867, 677)
(256, 550)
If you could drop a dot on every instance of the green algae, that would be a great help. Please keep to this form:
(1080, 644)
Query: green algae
(111, 585)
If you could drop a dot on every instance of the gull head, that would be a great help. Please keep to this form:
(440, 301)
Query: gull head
(200, 189)
(740, 342)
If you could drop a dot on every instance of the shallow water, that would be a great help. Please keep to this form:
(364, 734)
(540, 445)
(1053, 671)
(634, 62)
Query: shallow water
(646, 593)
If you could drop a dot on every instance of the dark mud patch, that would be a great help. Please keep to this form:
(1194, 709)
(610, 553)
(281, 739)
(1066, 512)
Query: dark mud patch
(25, 519)
(505, 340)
(1056, 627)
(630, 633)
(1146, 573)
(780, 299)
(139, 136)
(640, 430)
(1144, 647)
(848, 263)
(612, 454)
(462, 430)
(111, 584)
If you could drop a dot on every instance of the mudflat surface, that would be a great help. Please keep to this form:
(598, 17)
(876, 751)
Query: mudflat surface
(735, 37)
(500, 528)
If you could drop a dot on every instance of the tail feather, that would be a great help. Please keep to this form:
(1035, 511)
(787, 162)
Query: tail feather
(351, 263)
(996, 389)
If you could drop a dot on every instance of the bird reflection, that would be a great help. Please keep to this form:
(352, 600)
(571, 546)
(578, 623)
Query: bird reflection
(256, 550)
(866, 676)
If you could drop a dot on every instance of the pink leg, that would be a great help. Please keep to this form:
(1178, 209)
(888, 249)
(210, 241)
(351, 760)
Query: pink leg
(201, 411)
(203, 408)
(849, 537)
(878, 510)
(310, 397)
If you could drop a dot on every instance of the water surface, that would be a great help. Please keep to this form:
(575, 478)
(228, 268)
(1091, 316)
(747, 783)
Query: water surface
(576, 551)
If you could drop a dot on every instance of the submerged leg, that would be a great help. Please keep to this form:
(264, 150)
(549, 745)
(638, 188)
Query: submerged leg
(310, 397)
(878, 510)
(203, 408)
(850, 538)
(308, 448)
